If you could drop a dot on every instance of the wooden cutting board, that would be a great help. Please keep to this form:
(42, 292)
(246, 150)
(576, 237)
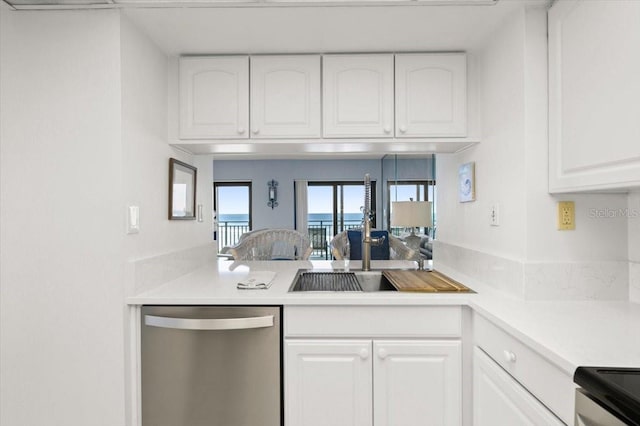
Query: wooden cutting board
(424, 281)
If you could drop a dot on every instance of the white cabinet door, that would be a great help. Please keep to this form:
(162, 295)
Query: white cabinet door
(285, 96)
(328, 382)
(214, 97)
(358, 95)
(594, 64)
(417, 383)
(431, 95)
(499, 400)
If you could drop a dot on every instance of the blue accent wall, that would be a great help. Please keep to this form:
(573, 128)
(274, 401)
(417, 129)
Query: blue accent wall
(259, 172)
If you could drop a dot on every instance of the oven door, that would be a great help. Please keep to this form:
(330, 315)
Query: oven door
(590, 413)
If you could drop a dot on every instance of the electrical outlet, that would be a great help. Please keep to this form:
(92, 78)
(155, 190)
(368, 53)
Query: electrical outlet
(566, 216)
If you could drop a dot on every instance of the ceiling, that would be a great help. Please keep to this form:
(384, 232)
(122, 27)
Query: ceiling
(304, 26)
(319, 29)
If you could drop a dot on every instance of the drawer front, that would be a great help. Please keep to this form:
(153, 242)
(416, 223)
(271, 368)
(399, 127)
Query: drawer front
(545, 381)
(373, 321)
(493, 388)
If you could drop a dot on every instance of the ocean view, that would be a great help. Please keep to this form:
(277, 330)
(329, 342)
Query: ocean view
(313, 218)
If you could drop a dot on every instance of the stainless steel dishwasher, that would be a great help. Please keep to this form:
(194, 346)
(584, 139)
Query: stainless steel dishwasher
(211, 366)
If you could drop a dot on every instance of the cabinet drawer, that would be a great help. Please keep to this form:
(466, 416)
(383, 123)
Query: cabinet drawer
(373, 321)
(545, 381)
(499, 400)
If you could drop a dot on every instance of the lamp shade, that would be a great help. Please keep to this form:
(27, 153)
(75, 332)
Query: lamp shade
(411, 213)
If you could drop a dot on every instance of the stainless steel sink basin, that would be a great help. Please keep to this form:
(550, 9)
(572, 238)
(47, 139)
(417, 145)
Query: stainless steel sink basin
(340, 281)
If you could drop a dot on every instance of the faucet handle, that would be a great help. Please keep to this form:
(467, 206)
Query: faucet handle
(378, 241)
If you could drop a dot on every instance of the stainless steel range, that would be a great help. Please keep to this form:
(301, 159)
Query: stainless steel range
(608, 397)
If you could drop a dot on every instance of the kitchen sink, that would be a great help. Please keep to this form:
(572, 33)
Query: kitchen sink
(341, 281)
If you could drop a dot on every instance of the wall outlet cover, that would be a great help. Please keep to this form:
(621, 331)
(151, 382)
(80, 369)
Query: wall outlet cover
(566, 216)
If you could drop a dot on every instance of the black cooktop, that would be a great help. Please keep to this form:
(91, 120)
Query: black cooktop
(617, 389)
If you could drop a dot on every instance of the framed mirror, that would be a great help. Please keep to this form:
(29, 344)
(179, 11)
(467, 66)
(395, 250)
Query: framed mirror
(182, 190)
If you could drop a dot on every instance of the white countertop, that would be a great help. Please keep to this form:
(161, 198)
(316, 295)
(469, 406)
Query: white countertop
(569, 334)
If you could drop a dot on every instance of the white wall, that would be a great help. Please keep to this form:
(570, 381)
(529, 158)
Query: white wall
(593, 239)
(146, 153)
(83, 135)
(61, 220)
(499, 158)
(511, 170)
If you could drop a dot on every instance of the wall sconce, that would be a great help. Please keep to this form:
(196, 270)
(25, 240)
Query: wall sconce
(273, 193)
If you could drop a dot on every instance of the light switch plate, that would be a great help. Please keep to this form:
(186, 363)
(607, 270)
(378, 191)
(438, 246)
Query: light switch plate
(494, 218)
(133, 219)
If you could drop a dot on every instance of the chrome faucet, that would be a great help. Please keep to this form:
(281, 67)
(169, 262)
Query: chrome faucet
(367, 213)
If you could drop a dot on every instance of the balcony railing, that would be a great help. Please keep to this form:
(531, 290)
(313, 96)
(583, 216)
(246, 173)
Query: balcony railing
(229, 232)
(320, 233)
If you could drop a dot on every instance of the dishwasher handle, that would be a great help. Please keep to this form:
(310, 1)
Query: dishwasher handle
(209, 324)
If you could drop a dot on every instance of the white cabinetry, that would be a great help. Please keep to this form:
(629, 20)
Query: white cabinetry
(499, 400)
(214, 97)
(417, 382)
(431, 95)
(514, 384)
(358, 95)
(364, 366)
(328, 383)
(594, 64)
(285, 96)
(312, 103)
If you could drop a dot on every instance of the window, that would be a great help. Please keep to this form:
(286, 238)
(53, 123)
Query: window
(336, 206)
(423, 190)
(232, 204)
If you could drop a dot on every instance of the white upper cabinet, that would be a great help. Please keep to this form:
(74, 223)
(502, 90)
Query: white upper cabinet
(285, 96)
(358, 95)
(594, 88)
(214, 97)
(431, 95)
(314, 103)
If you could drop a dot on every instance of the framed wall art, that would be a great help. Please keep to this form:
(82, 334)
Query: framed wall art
(467, 182)
(182, 190)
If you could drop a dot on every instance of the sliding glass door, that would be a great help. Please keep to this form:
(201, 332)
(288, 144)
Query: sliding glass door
(336, 206)
(232, 205)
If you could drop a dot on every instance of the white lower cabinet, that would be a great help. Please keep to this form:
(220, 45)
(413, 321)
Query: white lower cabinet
(499, 400)
(328, 382)
(513, 381)
(417, 382)
(373, 382)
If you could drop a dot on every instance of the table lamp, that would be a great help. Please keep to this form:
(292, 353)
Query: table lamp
(411, 214)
